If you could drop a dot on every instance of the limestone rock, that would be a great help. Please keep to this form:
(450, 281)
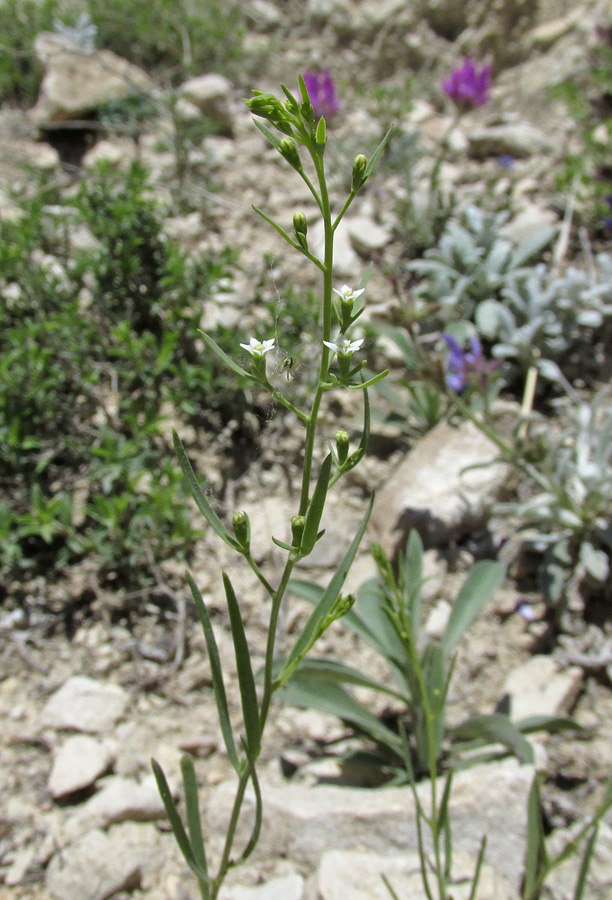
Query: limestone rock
(366, 235)
(301, 823)
(539, 687)
(211, 94)
(119, 800)
(78, 82)
(77, 764)
(518, 139)
(357, 875)
(94, 868)
(82, 704)
(290, 887)
(433, 490)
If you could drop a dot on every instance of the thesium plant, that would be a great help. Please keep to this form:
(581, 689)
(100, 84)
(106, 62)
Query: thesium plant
(302, 134)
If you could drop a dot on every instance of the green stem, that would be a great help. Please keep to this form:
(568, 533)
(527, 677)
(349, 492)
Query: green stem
(231, 832)
(259, 573)
(280, 398)
(272, 627)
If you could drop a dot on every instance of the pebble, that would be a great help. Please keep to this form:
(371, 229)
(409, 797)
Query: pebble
(82, 704)
(119, 800)
(77, 765)
(539, 687)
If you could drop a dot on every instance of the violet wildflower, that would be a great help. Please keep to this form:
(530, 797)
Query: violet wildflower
(608, 221)
(506, 162)
(467, 87)
(322, 92)
(461, 364)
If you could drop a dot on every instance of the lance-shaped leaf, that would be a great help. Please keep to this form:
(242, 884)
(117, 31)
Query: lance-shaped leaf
(246, 681)
(198, 495)
(216, 673)
(476, 591)
(323, 608)
(315, 508)
(497, 728)
(175, 821)
(268, 134)
(536, 858)
(328, 671)
(229, 362)
(377, 154)
(190, 787)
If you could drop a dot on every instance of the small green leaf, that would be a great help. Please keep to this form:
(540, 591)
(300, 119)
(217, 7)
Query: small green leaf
(331, 672)
(586, 864)
(377, 154)
(246, 681)
(499, 729)
(535, 853)
(370, 382)
(229, 362)
(190, 787)
(268, 134)
(550, 724)
(277, 228)
(216, 673)
(315, 508)
(481, 583)
(175, 821)
(198, 495)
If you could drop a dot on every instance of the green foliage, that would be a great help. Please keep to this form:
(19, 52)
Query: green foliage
(183, 38)
(20, 72)
(387, 615)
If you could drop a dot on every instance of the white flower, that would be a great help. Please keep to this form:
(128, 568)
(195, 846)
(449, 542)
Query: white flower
(258, 349)
(347, 294)
(344, 346)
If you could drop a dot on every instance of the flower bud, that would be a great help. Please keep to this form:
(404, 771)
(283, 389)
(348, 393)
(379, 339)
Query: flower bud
(342, 446)
(300, 223)
(359, 167)
(321, 133)
(289, 151)
(297, 530)
(242, 528)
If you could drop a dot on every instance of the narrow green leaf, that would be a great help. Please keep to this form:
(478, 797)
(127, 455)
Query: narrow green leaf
(252, 843)
(481, 583)
(190, 787)
(268, 134)
(412, 580)
(282, 545)
(531, 246)
(536, 848)
(585, 864)
(315, 508)
(229, 362)
(479, 862)
(175, 821)
(330, 595)
(550, 724)
(277, 228)
(377, 154)
(198, 495)
(216, 673)
(334, 699)
(246, 681)
(499, 729)
(328, 671)
(443, 809)
(370, 382)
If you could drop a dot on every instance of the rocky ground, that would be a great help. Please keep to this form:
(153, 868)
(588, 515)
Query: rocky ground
(87, 700)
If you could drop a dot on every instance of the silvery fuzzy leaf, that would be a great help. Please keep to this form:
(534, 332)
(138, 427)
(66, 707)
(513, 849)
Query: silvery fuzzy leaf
(596, 562)
(497, 259)
(489, 317)
(532, 245)
(549, 370)
(589, 318)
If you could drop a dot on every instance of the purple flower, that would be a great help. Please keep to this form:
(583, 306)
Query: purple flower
(608, 221)
(506, 162)
(322, 92)
(461, 364)
(466, 87)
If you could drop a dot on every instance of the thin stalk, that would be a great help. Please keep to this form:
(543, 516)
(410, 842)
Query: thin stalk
(260, 576)
(231, 832)
(274, 614)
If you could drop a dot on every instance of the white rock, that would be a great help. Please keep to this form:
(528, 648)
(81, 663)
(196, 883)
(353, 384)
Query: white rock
(359, 876)
(77, 764)
(433, 490)
(119, 800)
(517, 139)
(530, 220)
(82, 704)
(263, 14)
(301, 823)
(366, 235)
(539, 687)
(94, 868)
(437, 620)
(561, 881)
(211, 94)
(20, 864)
(290, 887)
(77, 83)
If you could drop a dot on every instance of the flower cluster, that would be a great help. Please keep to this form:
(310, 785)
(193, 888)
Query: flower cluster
(322, 92)
(467, 87)
(461, 364)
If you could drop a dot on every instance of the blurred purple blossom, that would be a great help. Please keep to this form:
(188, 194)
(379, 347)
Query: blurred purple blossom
(467, 87)
(322, 92)
(461, 364)
(526, 610)
(608, 221)
(506, 162)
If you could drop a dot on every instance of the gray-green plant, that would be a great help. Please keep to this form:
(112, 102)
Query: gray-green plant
(301, 137)
(387, 615)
